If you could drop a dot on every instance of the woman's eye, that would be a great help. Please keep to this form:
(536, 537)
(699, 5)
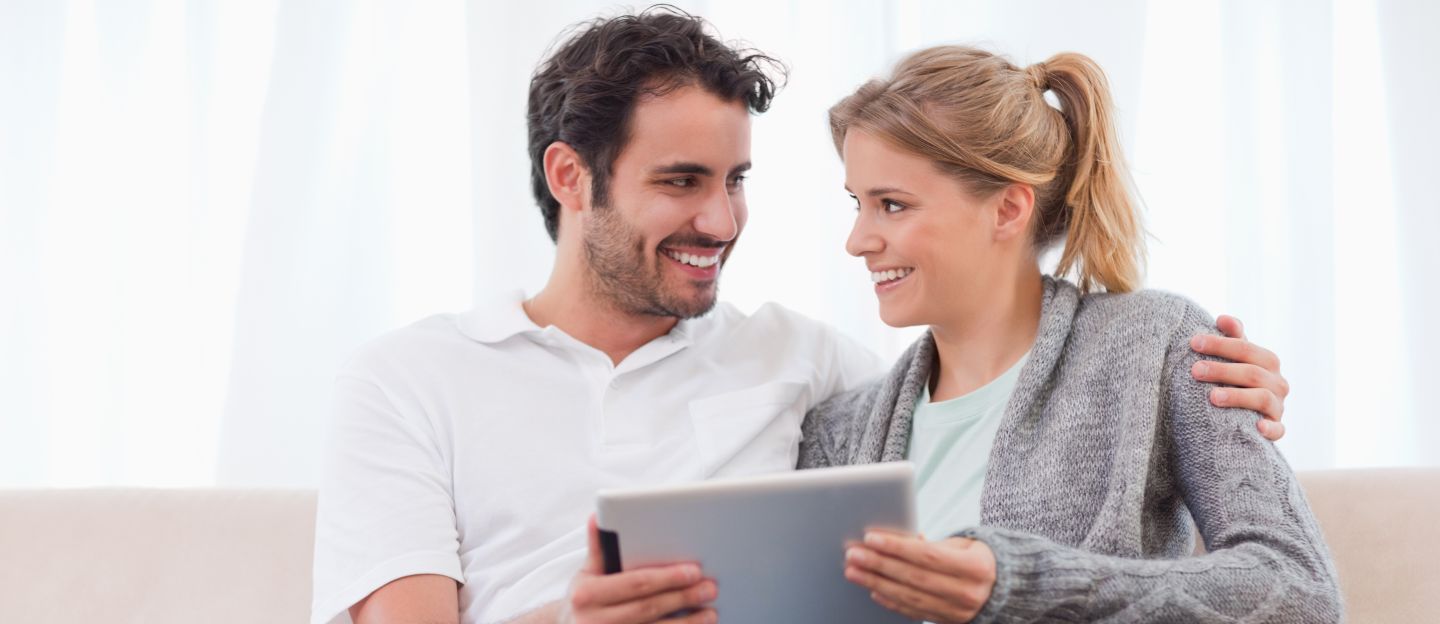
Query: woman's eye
(857, 203)
(891, 207)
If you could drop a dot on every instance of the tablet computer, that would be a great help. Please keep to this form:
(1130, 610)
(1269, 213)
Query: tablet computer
(774, 544)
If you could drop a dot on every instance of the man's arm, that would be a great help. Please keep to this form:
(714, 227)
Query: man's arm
(419, 599)
(385, 515)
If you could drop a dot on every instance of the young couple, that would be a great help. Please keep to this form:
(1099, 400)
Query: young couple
(1069, 435)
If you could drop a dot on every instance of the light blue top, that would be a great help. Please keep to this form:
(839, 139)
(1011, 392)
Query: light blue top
(950, 445)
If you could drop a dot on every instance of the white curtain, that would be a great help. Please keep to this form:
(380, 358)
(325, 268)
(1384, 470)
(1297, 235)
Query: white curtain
(205, 206)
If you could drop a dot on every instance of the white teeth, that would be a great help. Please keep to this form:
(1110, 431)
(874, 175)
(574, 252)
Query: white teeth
(694, 260)
(888, 276)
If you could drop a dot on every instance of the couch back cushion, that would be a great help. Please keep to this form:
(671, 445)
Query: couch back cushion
(156, 556)
(1381, 525)
(225, 555)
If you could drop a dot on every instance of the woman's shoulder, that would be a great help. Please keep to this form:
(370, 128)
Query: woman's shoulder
(1155, 313)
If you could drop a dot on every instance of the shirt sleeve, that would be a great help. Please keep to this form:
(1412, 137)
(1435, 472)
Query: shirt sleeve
(852, 366)
(385, 507)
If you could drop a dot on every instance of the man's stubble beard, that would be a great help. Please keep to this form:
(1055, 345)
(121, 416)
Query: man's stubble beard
(618, 273)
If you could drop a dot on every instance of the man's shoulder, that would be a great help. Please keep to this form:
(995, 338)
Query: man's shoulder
(409, 345)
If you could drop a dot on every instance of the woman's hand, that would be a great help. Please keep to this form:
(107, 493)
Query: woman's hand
(1253, 375)
(942, 582)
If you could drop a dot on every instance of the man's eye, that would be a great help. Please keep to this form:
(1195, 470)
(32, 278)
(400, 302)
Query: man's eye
(738, 180)
(681, 182)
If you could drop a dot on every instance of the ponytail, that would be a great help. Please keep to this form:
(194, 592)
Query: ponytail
(1104, 241)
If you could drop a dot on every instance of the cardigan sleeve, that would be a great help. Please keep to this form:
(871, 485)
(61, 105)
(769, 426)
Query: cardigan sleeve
(1266, 560)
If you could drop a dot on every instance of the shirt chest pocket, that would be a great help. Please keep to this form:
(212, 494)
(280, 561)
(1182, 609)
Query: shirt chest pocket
(751, 431)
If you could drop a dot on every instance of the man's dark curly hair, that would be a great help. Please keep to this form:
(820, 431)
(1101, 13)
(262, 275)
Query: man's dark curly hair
(584, 92)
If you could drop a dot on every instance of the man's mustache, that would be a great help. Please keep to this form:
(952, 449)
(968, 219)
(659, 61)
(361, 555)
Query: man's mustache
(703, 242)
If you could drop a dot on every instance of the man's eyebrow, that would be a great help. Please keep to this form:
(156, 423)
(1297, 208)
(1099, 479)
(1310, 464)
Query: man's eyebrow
(740, 168)
(685, 167)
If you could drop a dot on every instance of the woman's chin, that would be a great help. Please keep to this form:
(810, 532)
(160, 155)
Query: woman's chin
(897, 318)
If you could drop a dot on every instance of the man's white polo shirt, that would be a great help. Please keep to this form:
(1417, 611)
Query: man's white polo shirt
(472, 445)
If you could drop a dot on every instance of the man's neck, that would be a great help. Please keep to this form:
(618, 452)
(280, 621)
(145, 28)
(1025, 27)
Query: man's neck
(981, 343)
(568, 303)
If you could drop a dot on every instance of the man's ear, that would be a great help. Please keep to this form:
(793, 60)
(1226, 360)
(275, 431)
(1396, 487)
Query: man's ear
(1012, 216)
(566, 175)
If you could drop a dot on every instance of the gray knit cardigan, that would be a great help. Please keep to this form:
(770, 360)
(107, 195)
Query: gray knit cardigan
(1107, 451)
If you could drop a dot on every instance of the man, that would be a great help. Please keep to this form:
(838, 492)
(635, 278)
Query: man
(465, 450)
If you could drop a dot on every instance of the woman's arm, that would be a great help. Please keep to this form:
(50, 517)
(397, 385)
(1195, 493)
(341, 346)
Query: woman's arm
(1267, 560)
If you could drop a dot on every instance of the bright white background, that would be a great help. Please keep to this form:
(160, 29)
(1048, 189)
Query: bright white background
(205, 206)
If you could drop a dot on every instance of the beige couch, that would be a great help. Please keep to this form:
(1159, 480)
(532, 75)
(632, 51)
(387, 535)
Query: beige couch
(216, 556)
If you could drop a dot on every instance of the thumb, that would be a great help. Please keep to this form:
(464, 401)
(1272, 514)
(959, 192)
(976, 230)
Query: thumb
(594, 560)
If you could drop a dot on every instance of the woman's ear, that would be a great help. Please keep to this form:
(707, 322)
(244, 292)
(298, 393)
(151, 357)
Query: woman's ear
(567, 176)
(1012, 216)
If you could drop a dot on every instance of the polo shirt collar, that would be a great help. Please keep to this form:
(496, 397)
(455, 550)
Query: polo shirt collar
(498, 319)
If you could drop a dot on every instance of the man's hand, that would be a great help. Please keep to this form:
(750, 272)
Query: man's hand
(943, 582)
(1253, 375)
(636, 596)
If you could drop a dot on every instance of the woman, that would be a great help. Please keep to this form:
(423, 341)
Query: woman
(1056, 428)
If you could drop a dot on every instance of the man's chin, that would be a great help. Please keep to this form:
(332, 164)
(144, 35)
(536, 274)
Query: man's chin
(694, 305)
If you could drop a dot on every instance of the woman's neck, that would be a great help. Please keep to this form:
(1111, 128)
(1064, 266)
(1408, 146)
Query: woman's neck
(983, 341)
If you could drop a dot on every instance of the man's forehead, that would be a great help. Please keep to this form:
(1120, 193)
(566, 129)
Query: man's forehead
(690, 124)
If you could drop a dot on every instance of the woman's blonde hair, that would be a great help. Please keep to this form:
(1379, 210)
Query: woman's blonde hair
(986, 122)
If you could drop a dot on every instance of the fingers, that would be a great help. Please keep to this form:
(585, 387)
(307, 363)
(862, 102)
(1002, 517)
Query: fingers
(918, 552)
(1272, 431)
(897, 597)
(1240, 376)
(1236, 350)
(900, 608)
(867, 560)
(633, 585)
(594, 559)
(1230, 326)
(1255, 399)
(660, 605)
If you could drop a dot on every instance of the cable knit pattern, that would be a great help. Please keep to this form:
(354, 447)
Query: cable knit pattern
(1109, 453)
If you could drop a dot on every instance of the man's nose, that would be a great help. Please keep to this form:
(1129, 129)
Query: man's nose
(717, 217)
